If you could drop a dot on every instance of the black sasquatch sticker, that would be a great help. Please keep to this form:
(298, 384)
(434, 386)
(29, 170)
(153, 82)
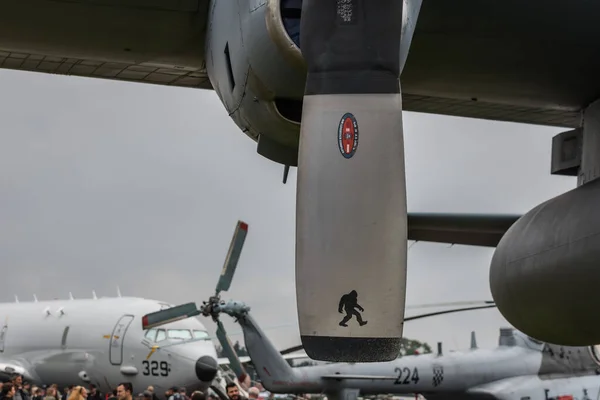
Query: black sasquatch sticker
(348, 135)
(349, 305)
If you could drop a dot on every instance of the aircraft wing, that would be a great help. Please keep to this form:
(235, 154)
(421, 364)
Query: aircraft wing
(246, 359)
(467, 229)
(147, 41)
(361, 377)
(494, 59)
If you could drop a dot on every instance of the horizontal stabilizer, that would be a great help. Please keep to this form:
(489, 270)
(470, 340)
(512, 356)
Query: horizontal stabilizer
(362, 377)
(466, 229)
(169, 315)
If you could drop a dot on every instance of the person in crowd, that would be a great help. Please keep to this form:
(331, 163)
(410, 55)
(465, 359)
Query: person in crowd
(124, 391)
(20, 392)
(51, 393)
(8, 391)
(253, 393)
(233, 392)
(78, 393)
(94, 393)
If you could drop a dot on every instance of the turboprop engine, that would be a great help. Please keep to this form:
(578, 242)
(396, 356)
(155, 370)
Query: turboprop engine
(344, 87)
(257, 69)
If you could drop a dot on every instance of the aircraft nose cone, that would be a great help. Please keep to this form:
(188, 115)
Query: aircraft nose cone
(206, 368)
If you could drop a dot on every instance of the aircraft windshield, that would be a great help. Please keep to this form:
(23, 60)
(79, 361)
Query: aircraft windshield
(157, 335)
(183, 334)
(201, 335)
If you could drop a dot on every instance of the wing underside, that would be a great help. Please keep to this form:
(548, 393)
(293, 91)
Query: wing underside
(147, 41)
(498, 59)
(467, 229)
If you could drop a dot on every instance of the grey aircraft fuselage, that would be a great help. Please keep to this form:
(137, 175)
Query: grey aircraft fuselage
(101, 341)
(519, 368)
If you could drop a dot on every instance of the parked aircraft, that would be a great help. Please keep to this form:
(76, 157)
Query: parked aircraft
(100, 341)
(335, 66)
(519, 368)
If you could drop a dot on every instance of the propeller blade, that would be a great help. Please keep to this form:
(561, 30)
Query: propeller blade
(351, 232)
(234, 361)
(172, 314)
(233, 256)
(414, 317)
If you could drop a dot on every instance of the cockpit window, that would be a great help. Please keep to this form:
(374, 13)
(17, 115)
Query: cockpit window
(161, 335)
(183, 334)
(157, 335)
(151, 334)
(201, 335)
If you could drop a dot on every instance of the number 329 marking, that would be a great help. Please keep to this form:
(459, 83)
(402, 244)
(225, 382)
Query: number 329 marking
(151, 368)
(405, 376)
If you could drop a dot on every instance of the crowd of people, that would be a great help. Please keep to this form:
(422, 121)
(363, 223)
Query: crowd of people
(17, 389)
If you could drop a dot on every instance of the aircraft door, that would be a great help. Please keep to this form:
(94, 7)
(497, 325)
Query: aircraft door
(117, 338)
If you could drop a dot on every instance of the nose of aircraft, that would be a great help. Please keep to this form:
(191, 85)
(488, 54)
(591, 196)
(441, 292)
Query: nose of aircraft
(206, 368)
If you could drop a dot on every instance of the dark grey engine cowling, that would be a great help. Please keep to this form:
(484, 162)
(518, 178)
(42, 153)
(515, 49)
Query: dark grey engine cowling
(255, 65)
(546, 269)
(258, 71)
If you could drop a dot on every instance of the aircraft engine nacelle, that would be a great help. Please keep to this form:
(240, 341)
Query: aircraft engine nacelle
(258, 71)
(546, 269)
(255, 65)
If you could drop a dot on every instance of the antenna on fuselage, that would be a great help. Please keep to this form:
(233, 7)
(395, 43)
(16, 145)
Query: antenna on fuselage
(71, 296)
(94, 295)
(118, 291)
(473, 341)
(35, 298)
(16, 299)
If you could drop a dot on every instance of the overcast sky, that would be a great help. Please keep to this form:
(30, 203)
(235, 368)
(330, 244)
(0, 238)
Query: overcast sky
(107, 183)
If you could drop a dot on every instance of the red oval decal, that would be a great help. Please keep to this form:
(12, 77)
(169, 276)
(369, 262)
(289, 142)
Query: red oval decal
(348, 135)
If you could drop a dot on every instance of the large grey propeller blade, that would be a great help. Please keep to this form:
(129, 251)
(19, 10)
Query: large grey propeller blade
(489, 304)
(351, 233)
(234, 361)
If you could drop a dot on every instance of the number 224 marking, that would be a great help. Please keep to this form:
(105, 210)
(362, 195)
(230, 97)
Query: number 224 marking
(405, 376)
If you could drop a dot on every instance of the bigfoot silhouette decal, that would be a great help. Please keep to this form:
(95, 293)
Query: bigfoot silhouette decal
(349, 304)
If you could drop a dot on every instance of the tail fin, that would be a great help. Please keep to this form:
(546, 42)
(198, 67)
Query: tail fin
(274, 371)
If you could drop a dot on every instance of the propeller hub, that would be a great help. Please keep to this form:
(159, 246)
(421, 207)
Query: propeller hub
(210, 308)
